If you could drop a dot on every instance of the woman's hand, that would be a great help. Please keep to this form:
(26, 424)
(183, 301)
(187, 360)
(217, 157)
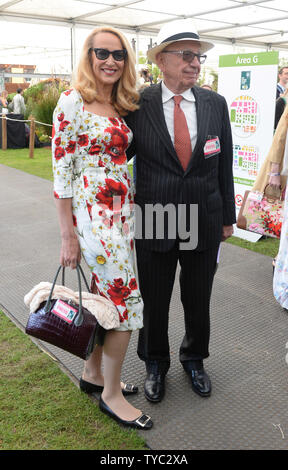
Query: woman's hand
(70, 254)
(274, 178)
(275, 181)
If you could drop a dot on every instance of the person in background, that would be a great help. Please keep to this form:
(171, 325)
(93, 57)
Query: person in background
(280, 106)
(4, 102)
(18, 103)
(283, 80)
(93, 193)
(270, 171)
(208, 87)
(280, 278)
(144, 80)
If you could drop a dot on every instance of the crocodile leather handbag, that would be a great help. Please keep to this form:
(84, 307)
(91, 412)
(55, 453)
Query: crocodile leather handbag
(67, 325)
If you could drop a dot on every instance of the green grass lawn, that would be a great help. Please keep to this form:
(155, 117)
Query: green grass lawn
(41, 408)
(40, 165)
(266, 246)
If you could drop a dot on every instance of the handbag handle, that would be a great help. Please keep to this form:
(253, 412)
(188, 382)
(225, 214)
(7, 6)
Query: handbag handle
(79, 319)
(271, 198)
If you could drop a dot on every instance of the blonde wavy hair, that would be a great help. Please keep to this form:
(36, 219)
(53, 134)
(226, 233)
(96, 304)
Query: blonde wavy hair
(124, 95)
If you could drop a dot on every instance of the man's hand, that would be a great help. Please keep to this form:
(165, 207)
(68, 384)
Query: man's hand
(227, 231)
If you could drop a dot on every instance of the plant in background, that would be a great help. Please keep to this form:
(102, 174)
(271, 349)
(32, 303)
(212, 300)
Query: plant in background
(41, 100)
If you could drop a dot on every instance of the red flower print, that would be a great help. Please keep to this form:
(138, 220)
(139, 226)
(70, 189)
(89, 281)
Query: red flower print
(95, 277)
(57, 141)
(67, 92)
(131, 244)
(118, 294)
(63, 125)
(125, 314)
(94, 141)
(89, 207)
(83, 140)
(100, 163)
(74, 220)
(59, 153)
(60, 117)
(109, 191)
(71, 146)
(114, 121)
(86, 184)
(118, 282)
(133, 284)
(117, 145)
(124, 128)
(56, 195)
(94, 150)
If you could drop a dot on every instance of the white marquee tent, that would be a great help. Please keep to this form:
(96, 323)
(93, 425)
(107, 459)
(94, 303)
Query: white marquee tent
(262, 24)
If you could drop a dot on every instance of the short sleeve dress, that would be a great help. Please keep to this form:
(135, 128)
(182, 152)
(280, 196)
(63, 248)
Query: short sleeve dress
(90, 166)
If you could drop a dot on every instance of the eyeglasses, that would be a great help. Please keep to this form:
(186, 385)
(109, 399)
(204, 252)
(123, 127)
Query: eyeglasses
(103, 54)
(189, 56)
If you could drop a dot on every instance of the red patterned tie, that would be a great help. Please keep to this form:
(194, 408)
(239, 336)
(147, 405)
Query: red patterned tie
(182, 141)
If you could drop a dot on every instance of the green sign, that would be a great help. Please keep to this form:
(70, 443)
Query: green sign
(244, 181)
(255, 58)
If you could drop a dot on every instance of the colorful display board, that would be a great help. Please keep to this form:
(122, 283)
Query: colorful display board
(248, 82)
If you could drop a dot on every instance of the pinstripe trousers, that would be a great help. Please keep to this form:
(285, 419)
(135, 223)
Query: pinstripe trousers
(156, 272)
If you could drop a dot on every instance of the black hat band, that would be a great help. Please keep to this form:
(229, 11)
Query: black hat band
(175, 37)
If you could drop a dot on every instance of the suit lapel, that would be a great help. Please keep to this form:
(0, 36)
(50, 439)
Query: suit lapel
(203, 110)
(155, 113)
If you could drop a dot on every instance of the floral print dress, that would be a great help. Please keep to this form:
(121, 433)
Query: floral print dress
(90, 166)
(280, 278)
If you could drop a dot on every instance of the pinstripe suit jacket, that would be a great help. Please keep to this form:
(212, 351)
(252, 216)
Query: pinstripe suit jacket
(207, 182)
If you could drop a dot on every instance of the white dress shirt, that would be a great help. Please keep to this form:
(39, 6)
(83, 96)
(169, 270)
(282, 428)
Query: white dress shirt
(187, 105)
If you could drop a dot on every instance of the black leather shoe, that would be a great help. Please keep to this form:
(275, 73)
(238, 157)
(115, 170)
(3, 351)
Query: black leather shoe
(144, 422)
(200, 380)
(88, 387)
(154, 386)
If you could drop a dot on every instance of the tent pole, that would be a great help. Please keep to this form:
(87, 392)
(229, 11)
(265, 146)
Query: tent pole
(137, 48)
(72, 37)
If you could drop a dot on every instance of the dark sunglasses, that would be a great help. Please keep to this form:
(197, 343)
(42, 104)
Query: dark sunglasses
(103, 54)
(188, 56)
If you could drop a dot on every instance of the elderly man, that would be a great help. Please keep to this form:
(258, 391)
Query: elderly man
(183, 147)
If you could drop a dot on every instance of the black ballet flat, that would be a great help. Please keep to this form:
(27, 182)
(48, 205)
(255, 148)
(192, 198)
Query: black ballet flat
(88, 387)
(144, 422)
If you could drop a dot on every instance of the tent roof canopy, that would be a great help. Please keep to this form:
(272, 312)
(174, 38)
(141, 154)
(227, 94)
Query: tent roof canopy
(260, 23)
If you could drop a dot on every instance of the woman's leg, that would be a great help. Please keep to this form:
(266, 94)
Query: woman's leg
(92, 367)
(114, 350)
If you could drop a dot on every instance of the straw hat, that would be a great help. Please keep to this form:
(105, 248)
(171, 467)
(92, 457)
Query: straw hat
(179, 30)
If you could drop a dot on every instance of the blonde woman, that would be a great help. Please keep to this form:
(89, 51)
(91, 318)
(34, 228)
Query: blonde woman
(93, 192)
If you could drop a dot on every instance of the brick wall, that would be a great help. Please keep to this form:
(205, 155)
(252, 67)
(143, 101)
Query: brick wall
(13, 87)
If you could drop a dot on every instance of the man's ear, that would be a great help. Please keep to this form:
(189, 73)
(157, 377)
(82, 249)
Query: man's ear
(160, 61)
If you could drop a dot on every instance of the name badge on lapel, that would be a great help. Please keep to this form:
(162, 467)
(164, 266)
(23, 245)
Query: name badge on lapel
(212, 146)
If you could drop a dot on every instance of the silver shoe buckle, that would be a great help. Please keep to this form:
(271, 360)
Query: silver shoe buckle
(145, 422)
